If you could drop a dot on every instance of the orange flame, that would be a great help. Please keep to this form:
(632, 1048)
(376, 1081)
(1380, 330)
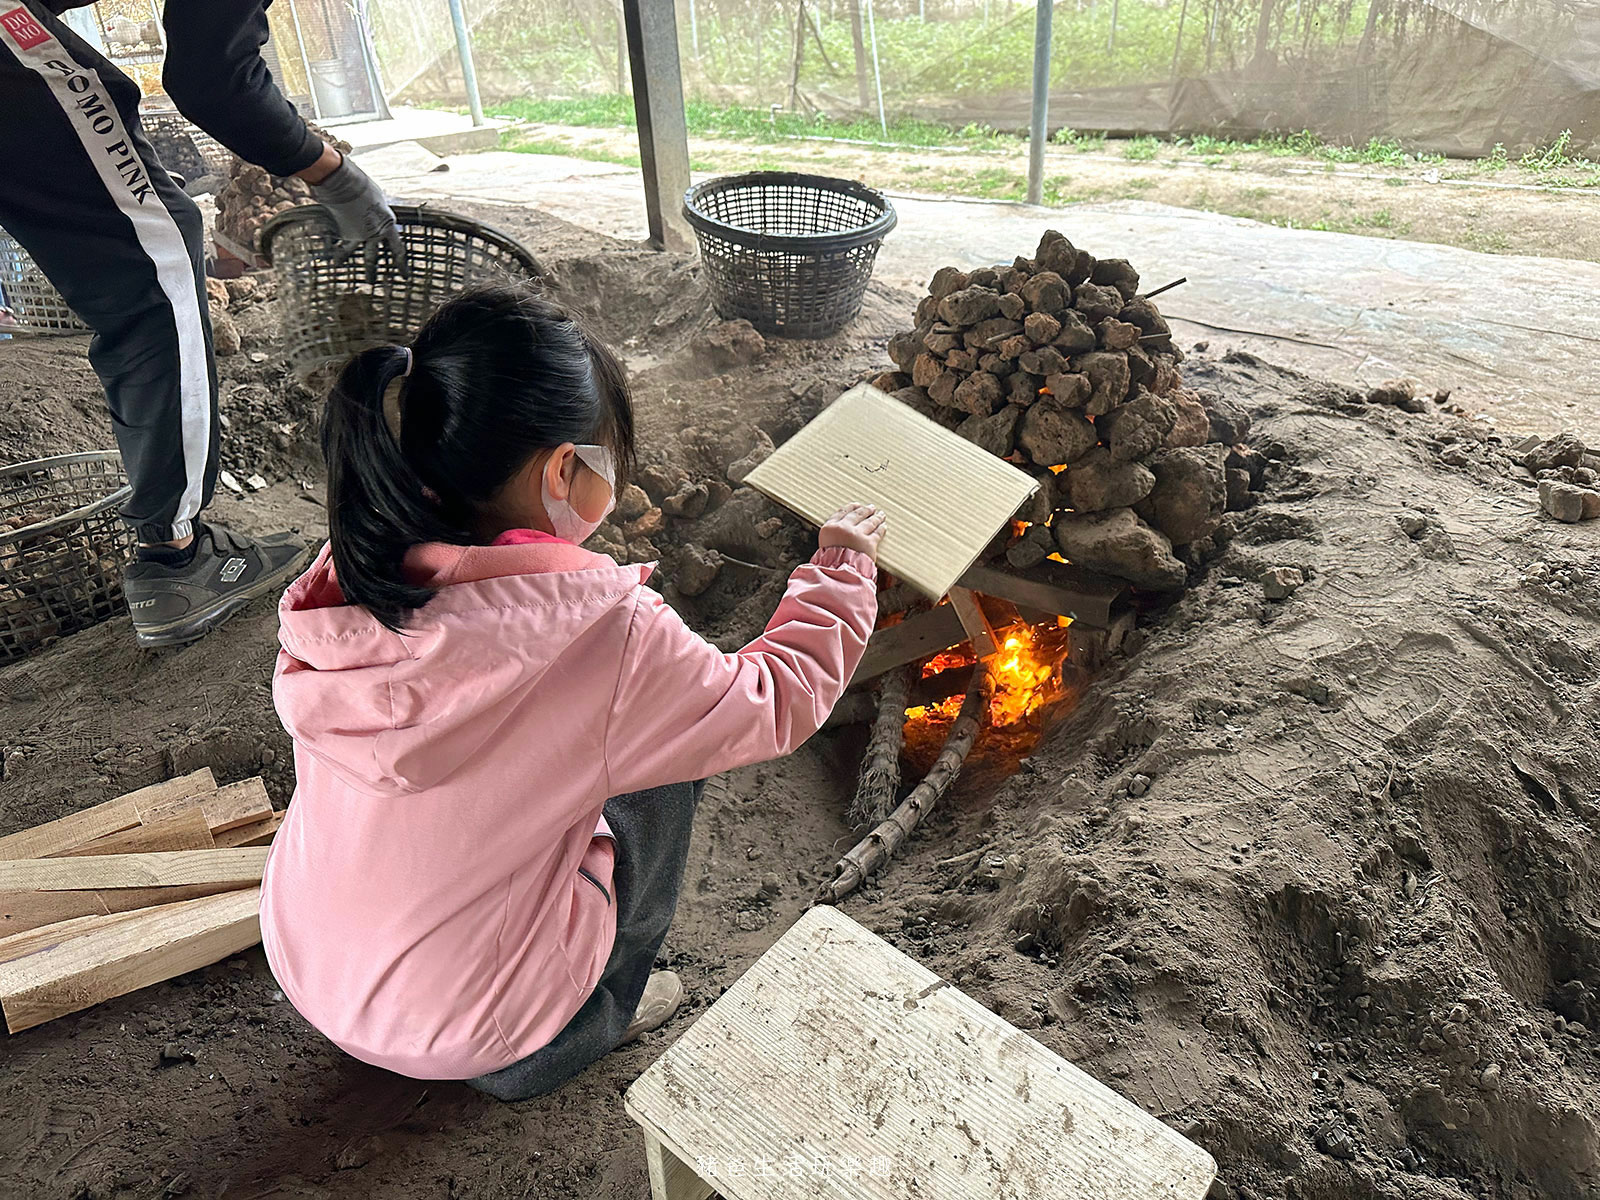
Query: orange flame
(1026, 672)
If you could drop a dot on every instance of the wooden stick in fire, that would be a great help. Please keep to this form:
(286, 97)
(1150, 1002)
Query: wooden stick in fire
(880, 769)
(872, 851)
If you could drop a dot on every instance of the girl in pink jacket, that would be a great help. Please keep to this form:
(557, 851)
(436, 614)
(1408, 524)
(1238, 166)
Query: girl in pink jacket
(452, 894)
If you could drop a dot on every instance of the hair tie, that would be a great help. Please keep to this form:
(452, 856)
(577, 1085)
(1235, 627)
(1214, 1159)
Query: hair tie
(410, 360)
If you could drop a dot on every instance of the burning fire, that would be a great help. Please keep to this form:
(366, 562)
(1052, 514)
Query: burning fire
(1022, 676)
(1026, 671)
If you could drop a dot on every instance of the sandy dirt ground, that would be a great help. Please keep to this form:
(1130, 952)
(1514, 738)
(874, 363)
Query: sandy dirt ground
(1314, 882)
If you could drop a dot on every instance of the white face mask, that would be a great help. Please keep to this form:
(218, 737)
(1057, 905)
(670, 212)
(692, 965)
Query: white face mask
(563, 517)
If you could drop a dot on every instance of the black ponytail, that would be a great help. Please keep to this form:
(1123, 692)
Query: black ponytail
(496, 376)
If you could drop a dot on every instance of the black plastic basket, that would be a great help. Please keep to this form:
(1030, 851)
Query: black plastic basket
(35, 305)
(329, 310)
(792, 254)
(62, 547)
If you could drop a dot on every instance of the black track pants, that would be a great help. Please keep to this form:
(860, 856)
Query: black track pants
(83, 192)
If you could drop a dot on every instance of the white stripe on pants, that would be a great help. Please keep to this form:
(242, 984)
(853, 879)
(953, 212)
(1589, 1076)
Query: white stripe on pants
(107, 145)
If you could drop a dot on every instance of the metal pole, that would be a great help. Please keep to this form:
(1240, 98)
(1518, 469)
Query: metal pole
(1177, 42)
(694, 30)
(877, 75)
(464, 49)
(1044, 12)
(652, 30)
(305, 61)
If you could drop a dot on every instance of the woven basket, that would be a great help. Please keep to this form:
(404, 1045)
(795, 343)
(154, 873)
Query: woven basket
(36, 306)
(791, 254)
(330, 310)
(184, 147)
(62, 547)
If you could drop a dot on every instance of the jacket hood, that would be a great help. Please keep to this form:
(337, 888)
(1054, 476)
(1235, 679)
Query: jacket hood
(396, 713)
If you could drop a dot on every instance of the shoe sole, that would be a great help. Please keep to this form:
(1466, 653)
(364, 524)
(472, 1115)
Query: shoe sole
(194, 626)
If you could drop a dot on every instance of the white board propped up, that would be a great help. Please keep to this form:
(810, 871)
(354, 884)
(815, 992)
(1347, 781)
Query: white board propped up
(945, 497)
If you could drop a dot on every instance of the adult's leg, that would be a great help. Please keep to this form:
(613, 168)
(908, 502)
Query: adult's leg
(84, 193)
(652, 831)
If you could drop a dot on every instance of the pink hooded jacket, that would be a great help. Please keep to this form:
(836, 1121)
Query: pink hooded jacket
(423, 904)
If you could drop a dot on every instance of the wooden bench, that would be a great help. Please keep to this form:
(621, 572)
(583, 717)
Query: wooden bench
(838, 1067)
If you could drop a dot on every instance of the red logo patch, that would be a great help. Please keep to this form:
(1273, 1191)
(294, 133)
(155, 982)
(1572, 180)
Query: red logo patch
(24, 30)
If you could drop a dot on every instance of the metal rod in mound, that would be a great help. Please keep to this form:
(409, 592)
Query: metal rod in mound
(872, 851)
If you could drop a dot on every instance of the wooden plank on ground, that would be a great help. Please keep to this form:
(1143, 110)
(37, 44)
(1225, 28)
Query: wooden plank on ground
(1058, 588)
(22, 911)
(973, 620)
(16, 945)
(181, 831)
(129, 952)
(257, 833)
(945, 497)
(918, 636)
(242, 865)
(55, 837)
(834, 1044)
(241, 803)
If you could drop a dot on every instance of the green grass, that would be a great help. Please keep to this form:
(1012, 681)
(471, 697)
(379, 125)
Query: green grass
(551, 146)
(754, 124)
(1556, 166)
(1079, 140)
(1382, 219)
(1547, 158)
(1489, 243)
(1305, 144)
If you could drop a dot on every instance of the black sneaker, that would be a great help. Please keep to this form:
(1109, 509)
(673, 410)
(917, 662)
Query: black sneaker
(173, 605)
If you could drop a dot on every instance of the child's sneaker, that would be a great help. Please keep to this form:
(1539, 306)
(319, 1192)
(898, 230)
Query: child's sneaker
(663, 994)
(175, 604)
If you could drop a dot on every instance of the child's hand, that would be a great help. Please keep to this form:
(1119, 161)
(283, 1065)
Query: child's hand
(855, 527)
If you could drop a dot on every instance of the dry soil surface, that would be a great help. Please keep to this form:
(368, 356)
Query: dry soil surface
(1313, 881)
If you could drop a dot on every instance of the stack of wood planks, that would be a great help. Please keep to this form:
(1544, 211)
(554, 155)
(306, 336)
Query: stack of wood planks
(129, 893)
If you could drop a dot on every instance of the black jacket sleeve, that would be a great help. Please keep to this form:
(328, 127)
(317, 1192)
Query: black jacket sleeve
(214, 73)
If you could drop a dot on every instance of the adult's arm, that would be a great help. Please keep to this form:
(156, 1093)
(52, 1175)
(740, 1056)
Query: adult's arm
(214, 73)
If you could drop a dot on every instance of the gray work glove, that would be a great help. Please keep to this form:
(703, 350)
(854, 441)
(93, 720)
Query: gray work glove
(361, 215)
